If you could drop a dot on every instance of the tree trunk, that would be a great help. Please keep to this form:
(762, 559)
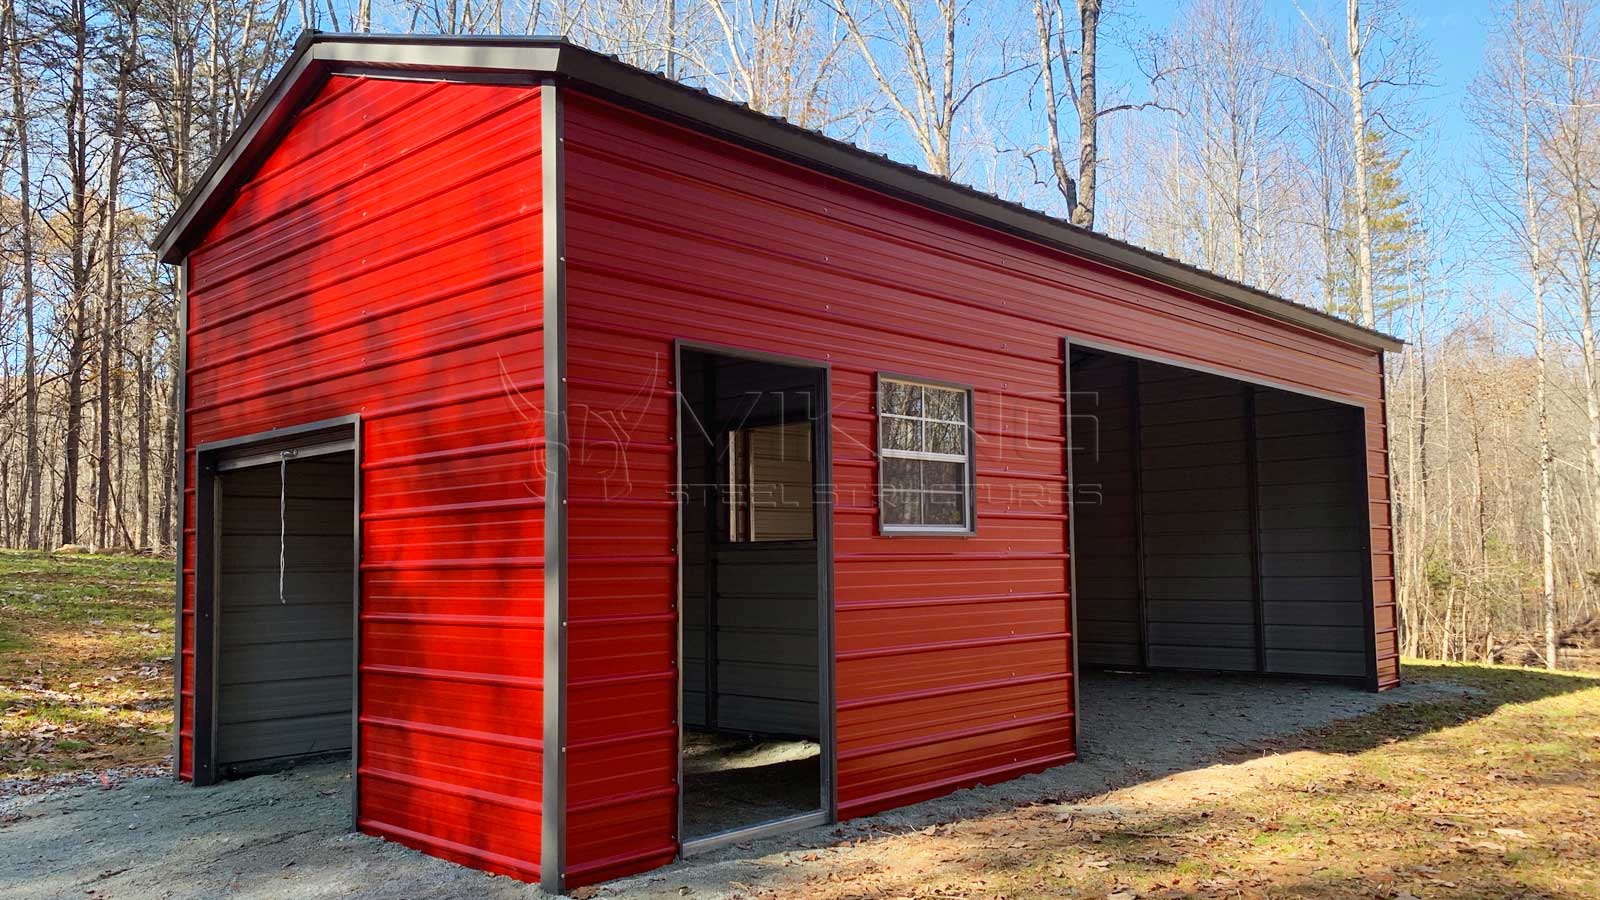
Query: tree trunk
(1547, 564)
(1591, 392)
(1044, 14)
(102, 479)
(1358, 128)
(77, 134)
(32, 467)
(113, 282)
(145, 366)
(1088, 112)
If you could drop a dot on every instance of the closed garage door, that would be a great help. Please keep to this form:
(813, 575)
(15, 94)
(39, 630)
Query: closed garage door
(284, 669)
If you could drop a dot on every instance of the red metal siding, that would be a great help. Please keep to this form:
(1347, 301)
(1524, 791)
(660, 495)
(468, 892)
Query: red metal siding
(953, 655)
(1385, 615)
(670, 235)
(386, 260)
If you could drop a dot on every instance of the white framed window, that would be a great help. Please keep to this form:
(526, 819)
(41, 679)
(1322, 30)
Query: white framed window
(925, 457)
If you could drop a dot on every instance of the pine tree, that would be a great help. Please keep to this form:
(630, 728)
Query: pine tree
(1394, 228)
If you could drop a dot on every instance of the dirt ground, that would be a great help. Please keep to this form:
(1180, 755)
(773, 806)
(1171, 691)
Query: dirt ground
(286, 835)
(734, 782)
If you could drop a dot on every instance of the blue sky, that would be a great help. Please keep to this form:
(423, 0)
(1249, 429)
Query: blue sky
(1453, 36)
(1455, 32)
(1452, 32)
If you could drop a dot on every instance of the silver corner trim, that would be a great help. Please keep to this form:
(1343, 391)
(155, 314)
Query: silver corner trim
(553, 807)
(1072, 542)
(181, 507)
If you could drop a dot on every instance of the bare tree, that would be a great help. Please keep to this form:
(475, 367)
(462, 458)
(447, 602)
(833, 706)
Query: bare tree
(783, 57)
(75, 232)
(1505, 110)
(1089, 111)
(1567, 34)
(110, 323)
(926, 65)
(1077, 189)
(1233, 119)
(1356, 40)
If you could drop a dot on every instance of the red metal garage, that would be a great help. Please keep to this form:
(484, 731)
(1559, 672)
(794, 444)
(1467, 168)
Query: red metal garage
(680, 444)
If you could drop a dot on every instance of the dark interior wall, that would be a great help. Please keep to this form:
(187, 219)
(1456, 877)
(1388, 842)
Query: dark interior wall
(1105, 503)
(1195, 495)
(749, 609)
(1312, 535)
(284, 667)
(1218, 524)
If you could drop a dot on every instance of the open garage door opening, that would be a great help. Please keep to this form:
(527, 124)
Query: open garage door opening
(275, 663)
(754, 695)
(1218, 525)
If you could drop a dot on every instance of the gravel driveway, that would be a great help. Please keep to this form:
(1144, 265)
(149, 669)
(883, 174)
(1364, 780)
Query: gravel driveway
(286, 835)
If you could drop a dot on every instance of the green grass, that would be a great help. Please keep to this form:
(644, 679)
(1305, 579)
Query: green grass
(78, 589)
(85, 661)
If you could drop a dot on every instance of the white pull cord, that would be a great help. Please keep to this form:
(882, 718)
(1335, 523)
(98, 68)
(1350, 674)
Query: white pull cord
(283, 520)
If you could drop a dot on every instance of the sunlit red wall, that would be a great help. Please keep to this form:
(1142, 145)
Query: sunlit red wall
(386, 260)
(953, 660)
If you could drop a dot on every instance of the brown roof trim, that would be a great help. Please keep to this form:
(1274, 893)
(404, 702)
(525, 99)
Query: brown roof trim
(316, 55)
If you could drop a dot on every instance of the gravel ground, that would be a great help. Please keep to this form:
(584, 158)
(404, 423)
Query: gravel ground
(285, 835)
(731, 782)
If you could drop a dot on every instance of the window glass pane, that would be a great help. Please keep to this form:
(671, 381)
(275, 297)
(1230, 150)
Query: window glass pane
(901, 474)
(943, 438)
(940, 508)
(948, 405)
(901, 399)
(901, 507)
(901, 434)
(944, 476)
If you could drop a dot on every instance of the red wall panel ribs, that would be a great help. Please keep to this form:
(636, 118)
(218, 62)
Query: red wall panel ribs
(385, 260)
(671, 235)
